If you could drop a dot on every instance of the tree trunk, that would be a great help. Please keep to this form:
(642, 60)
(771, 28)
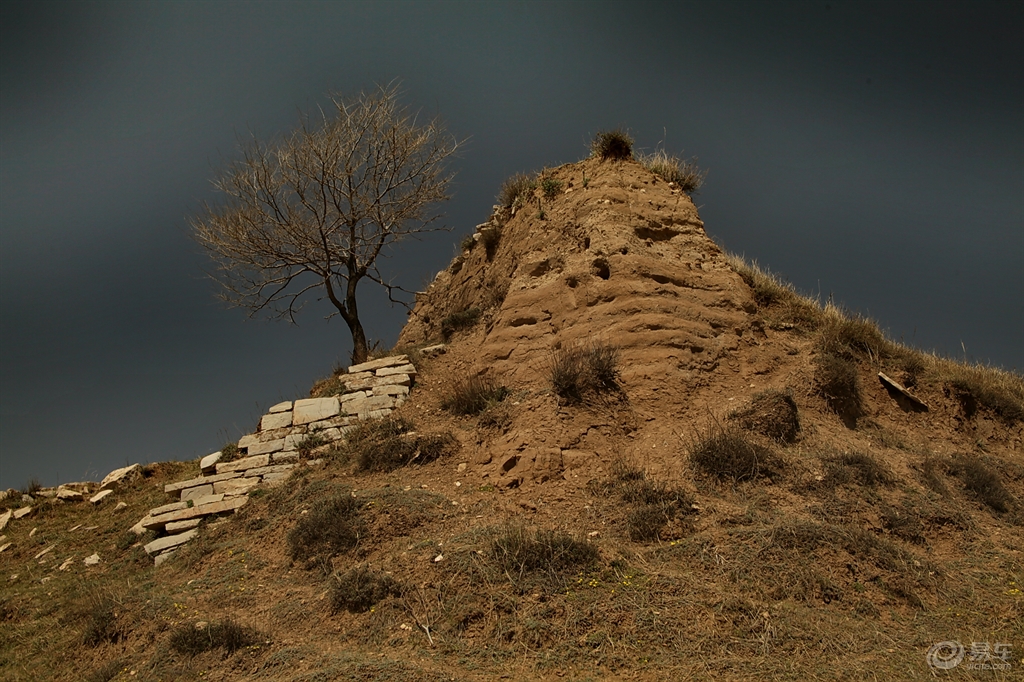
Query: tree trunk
(360, 353)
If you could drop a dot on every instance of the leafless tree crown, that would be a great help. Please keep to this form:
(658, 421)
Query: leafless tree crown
(316, 209)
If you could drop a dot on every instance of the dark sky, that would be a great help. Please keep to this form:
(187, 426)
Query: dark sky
(872, 151)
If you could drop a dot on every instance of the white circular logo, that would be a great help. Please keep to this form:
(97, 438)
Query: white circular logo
(945, 655)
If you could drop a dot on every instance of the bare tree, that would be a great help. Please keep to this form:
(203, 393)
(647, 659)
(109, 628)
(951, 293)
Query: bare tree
(316, 209)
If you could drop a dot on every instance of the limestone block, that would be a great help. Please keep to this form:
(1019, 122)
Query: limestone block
(178, 526)
(331, 423)
(263, 449)
(356, 395)
(209, 463)
(276, 469)
(122, 476)
(246, 463)
(120, 505)
(210, 498)
(68, 495)
(98, 497)
(282, 457)
(164, 556)
(367, 404)
(245, 441)
(276, 478)
(275, 420)
(372, 382)
(23, 512)
(5, 546)
(315, 409)
(271, 435)
(91, 560)
(5, 518)
(374, 414)
(292, 443)
(391, 390)
(437, 349)
(192, 482)
(198, 491)
(358, 376)
(331, 434)
(237, 486)
(286, 406)
(173, 506)
(160, 544)
(377, 364)
(225, 505)
(388, 371)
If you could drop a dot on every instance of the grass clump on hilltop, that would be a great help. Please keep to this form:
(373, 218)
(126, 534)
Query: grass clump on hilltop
(612, 145)
(685, 173)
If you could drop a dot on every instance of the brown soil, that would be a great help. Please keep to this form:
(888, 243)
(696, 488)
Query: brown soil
(837, 566)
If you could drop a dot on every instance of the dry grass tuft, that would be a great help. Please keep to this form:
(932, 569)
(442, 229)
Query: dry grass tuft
(331, 527)
(517, 190)
(519, 552)
(614, 145)
(732, 455)
(857, 466)
(684, 173)
(836, 380)
(580, 371)
(458, 321)
(188, 640)
(778, 301)
(386, 444)
(359, 589)
(983, 481)
(474, 395)
(772, 414)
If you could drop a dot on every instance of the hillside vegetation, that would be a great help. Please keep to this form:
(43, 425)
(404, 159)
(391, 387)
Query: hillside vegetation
(637, 457)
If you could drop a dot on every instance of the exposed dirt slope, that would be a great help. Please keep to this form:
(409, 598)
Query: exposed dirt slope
(552, 539)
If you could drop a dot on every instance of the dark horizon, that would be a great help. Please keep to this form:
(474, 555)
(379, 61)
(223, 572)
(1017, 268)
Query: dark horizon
(873, 152)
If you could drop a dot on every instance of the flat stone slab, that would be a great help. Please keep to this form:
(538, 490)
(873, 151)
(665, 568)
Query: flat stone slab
(372, 382)
(275, 469)
(23, 512)
(357, 394)
(236, 486)
(275, 420)
(209, 463)
(276, 478)
(225, 505)
(163, 556)
(373, 365)
(286, 406)
(98, 497)
(380, 402)
(160, 544)
(246, 463)
(163, 509)
(178, 526)
(69, 495)
(391, 390)
(122, 475)
(198, 491)
(315, 409)
(202, 480)
(5, 518)
(245, 441)
(388, 371)
(263, 449)
(282, 457)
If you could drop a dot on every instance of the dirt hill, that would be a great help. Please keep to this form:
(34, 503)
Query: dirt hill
(635, 457)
